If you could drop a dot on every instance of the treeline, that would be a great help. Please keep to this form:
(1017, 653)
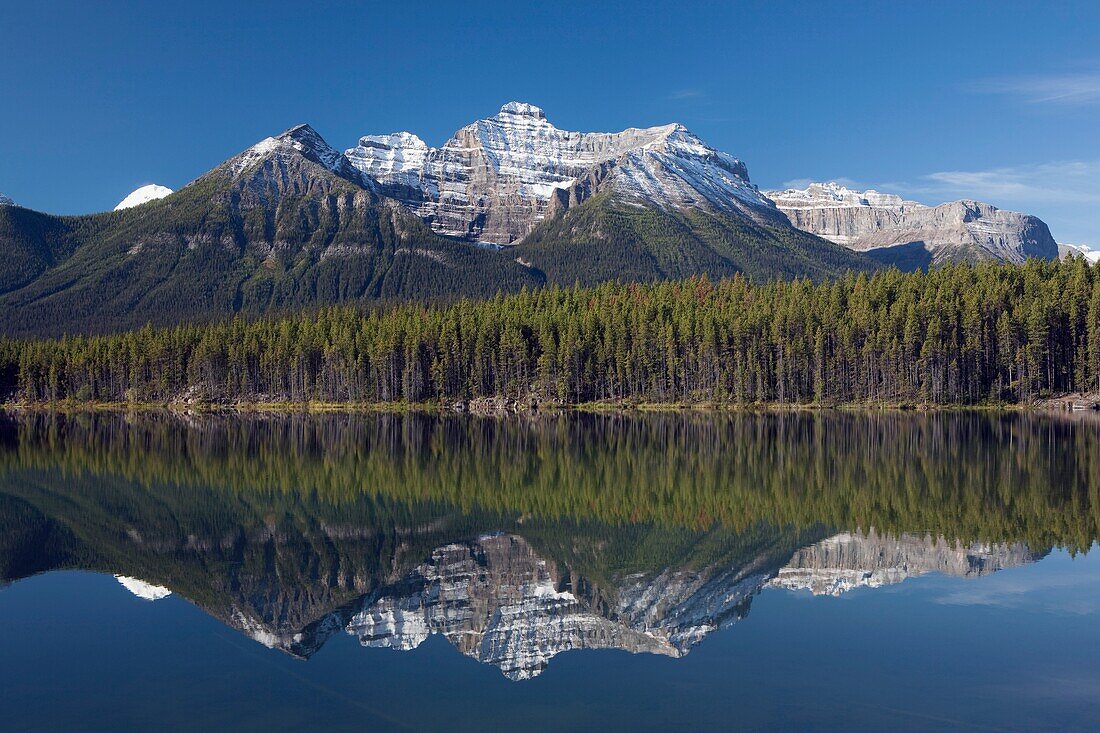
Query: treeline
(968, 476)
(962, 334)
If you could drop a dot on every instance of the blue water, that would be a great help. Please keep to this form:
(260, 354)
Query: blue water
(517, 561)
(1015, 651)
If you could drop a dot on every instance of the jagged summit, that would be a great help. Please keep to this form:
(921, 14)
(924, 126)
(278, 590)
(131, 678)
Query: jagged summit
(143, 195)
(300, 141)
(848, 560)
(911, 234)
(522, 109)
(6, 200)
(833, 194)
(496, 178)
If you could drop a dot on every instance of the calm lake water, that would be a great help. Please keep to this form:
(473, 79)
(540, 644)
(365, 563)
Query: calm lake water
(687, 571)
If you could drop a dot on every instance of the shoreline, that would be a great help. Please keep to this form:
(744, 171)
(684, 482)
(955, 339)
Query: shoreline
(495, 407)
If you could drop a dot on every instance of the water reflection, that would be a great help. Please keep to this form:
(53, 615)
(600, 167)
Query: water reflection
(518, 540)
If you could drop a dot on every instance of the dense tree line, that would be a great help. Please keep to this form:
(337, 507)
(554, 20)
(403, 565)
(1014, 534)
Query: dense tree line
(971, 476)
(962, 334)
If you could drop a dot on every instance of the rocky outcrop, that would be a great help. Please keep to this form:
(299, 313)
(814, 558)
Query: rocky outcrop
(847, 561)
(497, 601)
(6, 200)
(496, 178)
(888, 226)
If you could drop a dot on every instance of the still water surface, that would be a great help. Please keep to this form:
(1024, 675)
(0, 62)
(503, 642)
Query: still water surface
(621, 572)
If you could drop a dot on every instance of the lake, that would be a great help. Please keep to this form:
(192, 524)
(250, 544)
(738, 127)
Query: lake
(615, 571)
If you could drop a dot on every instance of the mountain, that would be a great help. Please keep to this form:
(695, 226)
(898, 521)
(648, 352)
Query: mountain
(847, 561)
(286, 223)
(293, 528)
(496, 178)
(508, 202)
(909, 234)
(497, 600)
(6, 200)
(1079, 250)
(607, 237)
(640, 204)
(143, 195)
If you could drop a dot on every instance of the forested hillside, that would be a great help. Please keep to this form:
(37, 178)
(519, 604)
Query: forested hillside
(604, 239)
(964, 334)
(270, 230)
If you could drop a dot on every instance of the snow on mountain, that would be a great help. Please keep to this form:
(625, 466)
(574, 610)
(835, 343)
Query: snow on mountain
(496, 178)
(846, 561)
(833, 195)
(299, 141)
(6, 200)
(870, 220)
(143, 195)
(497, 601)
(1079, 250)
(143, 590)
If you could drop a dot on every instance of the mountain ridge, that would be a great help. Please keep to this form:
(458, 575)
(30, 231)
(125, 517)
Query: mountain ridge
(496, 178)
(896, 231)
(509, 201)
(285, 223)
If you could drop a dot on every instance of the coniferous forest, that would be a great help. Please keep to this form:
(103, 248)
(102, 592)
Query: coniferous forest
(962, 334)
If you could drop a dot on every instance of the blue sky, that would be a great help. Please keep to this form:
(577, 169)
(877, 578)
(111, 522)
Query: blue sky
(998, 101)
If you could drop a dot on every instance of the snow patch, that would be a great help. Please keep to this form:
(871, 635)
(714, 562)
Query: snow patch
(143, 195)
(1083, 250)
(143, 590)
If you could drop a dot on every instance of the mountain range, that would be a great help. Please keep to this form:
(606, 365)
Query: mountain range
(393, 575)
(507, 202)
(909, 234)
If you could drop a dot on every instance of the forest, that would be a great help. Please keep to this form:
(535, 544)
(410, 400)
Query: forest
(959, 335)
(989, 476)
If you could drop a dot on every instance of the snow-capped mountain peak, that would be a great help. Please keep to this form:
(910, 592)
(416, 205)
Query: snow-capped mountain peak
(310, 143)
(522, 109)
(300, 140)
(143, 195)
(495, 179)
(6, 200)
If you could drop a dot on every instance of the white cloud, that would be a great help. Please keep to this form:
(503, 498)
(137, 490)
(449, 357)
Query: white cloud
(1064, 194)
(686, 94)
(1064, 182)
(1062, 89)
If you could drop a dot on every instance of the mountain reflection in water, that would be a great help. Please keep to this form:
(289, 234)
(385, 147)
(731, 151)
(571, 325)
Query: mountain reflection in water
(517, 539)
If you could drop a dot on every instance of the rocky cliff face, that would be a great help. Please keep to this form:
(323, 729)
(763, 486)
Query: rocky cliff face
(496, 178)
(497, 601)
(846, 561)
(870, 221)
